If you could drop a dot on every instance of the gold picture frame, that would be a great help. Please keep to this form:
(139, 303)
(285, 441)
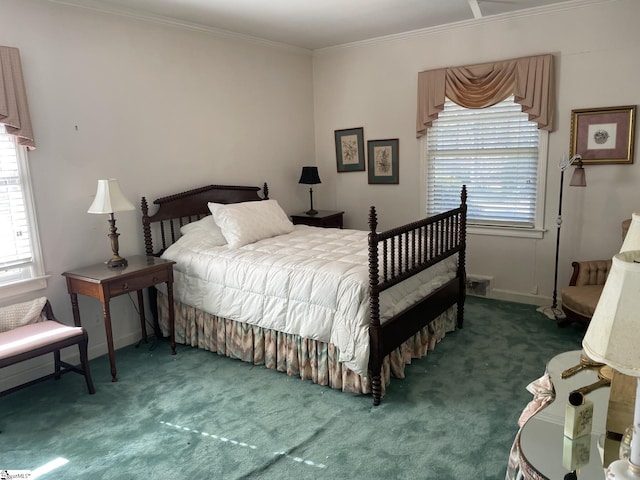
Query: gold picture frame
(603, 135)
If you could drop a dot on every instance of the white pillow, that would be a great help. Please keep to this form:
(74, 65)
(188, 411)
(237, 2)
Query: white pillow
(248, 222)
(208, 226)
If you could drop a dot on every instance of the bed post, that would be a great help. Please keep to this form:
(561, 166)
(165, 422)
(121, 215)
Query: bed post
(146, 227)
(462, 256)
(375, 335)
(148, 249)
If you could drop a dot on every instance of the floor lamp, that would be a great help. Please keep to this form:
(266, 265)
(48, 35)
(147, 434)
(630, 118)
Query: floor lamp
(578, 179)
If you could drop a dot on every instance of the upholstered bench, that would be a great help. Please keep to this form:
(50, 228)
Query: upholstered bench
(29, 330)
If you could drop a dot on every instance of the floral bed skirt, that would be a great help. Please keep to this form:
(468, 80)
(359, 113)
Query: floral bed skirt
(296, 356)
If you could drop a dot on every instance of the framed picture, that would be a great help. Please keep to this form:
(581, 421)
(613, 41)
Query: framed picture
(383, 160)
(603, 135)
(350, 149)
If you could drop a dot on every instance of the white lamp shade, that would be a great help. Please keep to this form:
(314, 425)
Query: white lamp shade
(109, 198)
(613, 336)
(632, 239)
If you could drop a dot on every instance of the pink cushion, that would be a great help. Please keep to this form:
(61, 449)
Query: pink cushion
(36, 335)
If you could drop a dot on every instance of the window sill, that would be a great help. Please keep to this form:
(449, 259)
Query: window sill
(505, 231)
(25, 286)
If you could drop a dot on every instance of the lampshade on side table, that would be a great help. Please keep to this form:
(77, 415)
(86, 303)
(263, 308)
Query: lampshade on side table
(622, 397)
(631, 233)
(613, 338)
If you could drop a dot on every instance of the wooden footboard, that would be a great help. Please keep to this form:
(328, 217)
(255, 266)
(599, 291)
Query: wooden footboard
(403, 252)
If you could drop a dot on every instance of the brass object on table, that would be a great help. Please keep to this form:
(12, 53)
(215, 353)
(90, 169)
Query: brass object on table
(605, 374)
(585, 362)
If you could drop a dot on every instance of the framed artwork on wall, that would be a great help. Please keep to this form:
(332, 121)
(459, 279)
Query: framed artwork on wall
(383, 161)
(350, 149)
(603, 135)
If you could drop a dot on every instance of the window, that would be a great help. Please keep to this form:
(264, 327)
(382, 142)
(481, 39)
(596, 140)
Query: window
(21, 268)
(499, 154)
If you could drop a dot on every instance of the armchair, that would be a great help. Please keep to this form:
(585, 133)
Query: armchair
(580, 298)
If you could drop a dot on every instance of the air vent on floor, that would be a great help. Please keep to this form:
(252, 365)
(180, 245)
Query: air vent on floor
(478, 286)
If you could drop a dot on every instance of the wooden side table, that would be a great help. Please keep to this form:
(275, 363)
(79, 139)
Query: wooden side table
(99, 281)
(542, 450)
(324, 218)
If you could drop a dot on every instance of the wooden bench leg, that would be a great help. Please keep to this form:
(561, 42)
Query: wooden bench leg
(57, 364)
(84, 363)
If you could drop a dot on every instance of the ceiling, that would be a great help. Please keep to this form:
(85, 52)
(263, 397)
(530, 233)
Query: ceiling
(314, 24)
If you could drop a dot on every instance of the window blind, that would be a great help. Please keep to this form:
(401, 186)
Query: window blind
(494, 151)
(15, 239)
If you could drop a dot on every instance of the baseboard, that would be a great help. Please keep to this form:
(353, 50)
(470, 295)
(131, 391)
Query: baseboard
(28, 370)
(518, 297)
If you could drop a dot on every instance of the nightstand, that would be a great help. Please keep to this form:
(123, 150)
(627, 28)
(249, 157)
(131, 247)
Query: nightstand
(541, 447)
(101, 282)
(324, 218)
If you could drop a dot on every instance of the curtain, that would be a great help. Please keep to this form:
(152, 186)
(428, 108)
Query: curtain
(14, 110)
(529, 79)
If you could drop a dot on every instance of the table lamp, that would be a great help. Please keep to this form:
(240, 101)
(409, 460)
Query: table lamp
(110, 199)
(613, 338)
(632, 238)
(310, 176)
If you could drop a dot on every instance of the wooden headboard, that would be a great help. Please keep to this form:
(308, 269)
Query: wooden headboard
(177, 210)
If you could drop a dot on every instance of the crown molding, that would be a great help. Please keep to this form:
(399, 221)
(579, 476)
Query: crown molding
(96, 6)
(461, 25)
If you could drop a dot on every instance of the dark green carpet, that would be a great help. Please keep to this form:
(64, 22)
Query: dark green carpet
(200, 416)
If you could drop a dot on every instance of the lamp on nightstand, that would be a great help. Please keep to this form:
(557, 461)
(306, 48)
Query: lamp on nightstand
(613, 337)
(110, 199)
(310, 176)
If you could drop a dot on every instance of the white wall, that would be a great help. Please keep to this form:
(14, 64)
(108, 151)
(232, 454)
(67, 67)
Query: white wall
(161, 109)
(374, 84)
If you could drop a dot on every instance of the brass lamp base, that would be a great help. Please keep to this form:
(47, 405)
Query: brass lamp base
(117, 262)
(311, 211)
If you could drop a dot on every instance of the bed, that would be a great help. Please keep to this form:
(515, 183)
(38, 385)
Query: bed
(345, 308)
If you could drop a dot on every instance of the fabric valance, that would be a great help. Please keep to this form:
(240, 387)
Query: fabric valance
(529, 79)
(14, 110)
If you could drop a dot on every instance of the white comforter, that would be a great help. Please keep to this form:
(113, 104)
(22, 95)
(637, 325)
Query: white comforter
(312, 282)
